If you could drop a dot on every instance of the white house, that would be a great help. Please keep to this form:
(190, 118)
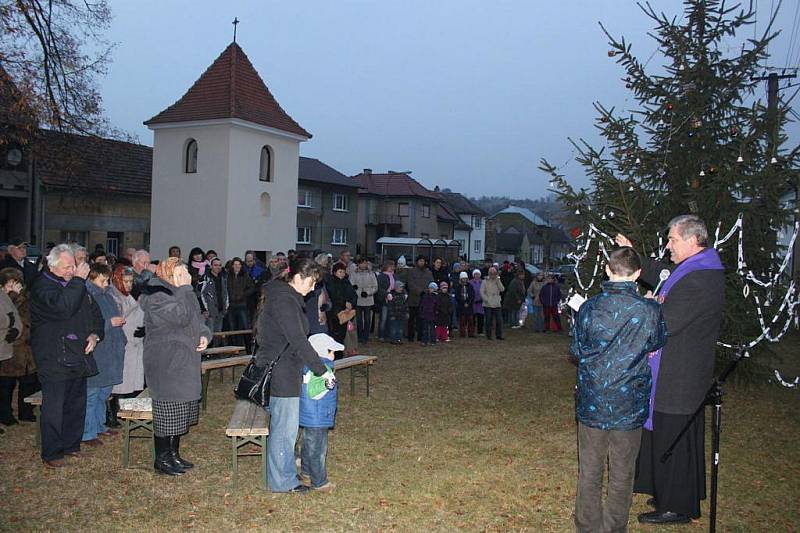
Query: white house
(225, 165)
(471, 233)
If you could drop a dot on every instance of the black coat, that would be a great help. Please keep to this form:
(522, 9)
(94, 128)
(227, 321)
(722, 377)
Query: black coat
(281, 330)
(693, 312)
(383, 289)
(464, 305)
(28, 269)
(61, 316)
(340, 292)
(444, 309)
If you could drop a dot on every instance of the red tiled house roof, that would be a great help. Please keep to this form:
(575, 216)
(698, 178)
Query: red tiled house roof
(91, 164)
(230, 88)
(392, 184)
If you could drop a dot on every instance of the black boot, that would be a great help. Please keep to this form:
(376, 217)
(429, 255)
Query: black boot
(180, 462)
(112, 408)
(164, 463)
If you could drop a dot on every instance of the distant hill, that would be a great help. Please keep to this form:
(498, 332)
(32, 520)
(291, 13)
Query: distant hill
(547, 207)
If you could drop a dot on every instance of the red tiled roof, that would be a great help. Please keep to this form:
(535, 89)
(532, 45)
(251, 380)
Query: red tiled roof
(393, 184)
(81, 163)
(230, 88)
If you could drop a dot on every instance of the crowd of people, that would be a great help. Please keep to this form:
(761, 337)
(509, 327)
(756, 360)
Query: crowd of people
(89, 329)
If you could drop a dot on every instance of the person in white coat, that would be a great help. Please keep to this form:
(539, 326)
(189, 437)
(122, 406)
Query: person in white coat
(365, 284)
(133, 366)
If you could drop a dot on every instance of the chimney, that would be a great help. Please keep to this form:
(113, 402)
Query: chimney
(436, 189)
(368, 172)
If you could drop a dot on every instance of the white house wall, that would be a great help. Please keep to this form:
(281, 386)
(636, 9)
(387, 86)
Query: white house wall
(247, 228)
(189, 209)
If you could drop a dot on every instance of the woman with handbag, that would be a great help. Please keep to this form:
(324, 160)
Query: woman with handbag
(176, 334)
(281, 333)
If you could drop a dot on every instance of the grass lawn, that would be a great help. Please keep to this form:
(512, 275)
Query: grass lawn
(473, 435)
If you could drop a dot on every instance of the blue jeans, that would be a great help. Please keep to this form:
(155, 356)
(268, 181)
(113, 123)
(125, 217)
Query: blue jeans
(95, 421)
(538, 318)
(396, 329)
(428, 333)
(493, 317)
(312, 455)
(383, 323)
(284, 422)
(363, 322)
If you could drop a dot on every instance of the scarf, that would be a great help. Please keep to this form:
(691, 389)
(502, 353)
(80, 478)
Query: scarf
(708, 259)
(200, 266)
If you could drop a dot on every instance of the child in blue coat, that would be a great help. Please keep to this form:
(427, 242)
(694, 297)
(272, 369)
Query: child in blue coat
(318, 414)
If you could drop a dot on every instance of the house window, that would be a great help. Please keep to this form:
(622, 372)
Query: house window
(190, 157)
(304, 235)
(339, 236)
(340, 202)
(265, 164)
(303, 198)
(476, 222)
(477, 246)
(426, 210)
(402, 209)
(74, 237)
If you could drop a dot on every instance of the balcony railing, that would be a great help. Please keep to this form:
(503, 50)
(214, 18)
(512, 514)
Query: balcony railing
(381, 220)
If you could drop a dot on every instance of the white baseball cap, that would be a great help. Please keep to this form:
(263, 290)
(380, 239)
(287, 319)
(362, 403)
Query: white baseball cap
(322, 343)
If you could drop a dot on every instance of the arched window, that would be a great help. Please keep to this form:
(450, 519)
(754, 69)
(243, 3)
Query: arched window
(265, 164)
(190, 158)
(265, 204)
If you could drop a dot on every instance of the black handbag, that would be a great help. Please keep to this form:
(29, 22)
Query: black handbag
(74, 357)
(254, 383)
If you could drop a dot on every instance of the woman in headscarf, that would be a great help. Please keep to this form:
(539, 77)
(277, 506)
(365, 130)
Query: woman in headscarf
(175, 337)
(133, 366)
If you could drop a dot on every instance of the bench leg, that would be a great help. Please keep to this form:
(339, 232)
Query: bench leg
(352, 381)
(204, 393)
(37, 411)
(368, 381)
(264, 462)
(126, 442)
(152, 442)
(235, 460)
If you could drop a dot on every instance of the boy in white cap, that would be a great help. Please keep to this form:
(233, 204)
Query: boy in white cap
(318, 414)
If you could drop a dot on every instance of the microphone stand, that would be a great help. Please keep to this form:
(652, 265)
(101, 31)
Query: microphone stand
(713, 397)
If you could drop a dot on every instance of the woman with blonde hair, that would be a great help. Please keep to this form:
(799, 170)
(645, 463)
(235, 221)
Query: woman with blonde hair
(176, 336)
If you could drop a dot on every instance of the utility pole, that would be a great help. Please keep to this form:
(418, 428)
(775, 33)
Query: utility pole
(772, 104)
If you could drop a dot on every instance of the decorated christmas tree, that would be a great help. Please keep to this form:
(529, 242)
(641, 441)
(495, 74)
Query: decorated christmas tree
(700, 140)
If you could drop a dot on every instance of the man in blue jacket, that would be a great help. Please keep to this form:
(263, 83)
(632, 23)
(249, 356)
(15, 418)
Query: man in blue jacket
(614, 333)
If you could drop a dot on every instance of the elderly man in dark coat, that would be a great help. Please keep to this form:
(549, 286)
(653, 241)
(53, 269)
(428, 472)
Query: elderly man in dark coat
(16, 258)
(66, 325)
(693, 298)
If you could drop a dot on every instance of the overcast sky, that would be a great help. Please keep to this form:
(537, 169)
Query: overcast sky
(466, 94)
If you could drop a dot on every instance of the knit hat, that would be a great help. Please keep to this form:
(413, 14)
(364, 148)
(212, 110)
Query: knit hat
(443, 285)
(456, 265)
(464, 275)
(476, 271)
(399, 284)
(433, 285)
(401, 261)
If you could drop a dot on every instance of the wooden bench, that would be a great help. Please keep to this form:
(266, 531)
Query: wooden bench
(35, 400)
(354, 363)
(220, 364)
(249, 424)
(136, 419)
(224, 334)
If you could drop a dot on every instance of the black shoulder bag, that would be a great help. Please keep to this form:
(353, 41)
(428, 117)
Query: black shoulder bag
(254, 383)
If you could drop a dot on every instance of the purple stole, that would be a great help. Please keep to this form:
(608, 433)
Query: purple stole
(708, 259)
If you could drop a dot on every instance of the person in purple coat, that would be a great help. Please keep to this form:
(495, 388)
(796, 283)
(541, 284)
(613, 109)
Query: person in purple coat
(428, 306)
(477, 306)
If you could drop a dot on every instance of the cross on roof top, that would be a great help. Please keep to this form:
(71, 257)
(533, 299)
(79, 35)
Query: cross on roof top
(235, 24)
